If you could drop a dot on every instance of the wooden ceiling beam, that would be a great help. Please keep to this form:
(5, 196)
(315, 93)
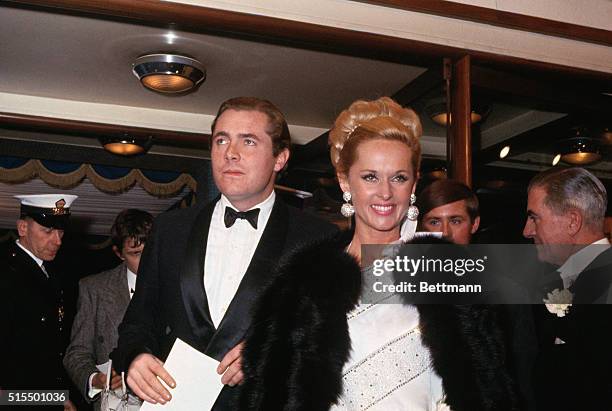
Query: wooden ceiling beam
(557, 95)
(501, 18)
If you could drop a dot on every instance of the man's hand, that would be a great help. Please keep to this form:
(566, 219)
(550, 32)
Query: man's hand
(142, 379)
(231, 366)
(99, 380)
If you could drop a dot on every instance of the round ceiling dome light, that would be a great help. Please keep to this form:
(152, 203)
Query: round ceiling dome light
(436, 109)
(580, 151)
(126, 145)
(168, 73)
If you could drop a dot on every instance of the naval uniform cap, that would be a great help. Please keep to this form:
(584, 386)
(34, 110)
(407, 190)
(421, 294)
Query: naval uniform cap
(49, 210)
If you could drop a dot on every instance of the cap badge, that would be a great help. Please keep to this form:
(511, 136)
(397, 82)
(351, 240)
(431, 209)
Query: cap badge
(59, 207)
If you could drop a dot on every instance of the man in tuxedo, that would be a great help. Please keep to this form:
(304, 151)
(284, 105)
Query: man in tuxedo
(566, 209)
(33, 324)
(103, 299)
(203, 267)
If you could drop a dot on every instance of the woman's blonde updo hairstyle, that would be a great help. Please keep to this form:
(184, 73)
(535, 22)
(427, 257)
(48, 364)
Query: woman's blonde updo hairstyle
(371, 120)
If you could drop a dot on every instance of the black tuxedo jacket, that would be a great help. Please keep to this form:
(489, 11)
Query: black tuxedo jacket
(170, 299)
(32, 339)
(575, 374)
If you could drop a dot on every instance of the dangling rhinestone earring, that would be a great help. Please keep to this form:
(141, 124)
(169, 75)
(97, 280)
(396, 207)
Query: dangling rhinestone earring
(413, 211)
(347, 209)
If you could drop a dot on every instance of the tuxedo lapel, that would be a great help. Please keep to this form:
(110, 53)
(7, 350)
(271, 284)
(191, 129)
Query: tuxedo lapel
(236, 321)
(192, 276)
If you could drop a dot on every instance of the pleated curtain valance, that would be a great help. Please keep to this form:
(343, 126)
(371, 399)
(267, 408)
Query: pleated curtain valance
(108, 179)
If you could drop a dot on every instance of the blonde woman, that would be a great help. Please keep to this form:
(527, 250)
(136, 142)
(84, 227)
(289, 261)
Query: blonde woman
(314, 346)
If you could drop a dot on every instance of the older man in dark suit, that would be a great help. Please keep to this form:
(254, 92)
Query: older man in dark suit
(32, 321)
(103, 299)
(204, 266)
(566, 209)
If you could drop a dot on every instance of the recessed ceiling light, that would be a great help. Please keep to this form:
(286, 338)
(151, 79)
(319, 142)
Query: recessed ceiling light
(504, 152)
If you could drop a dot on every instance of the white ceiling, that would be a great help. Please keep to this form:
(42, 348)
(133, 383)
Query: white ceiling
(66, 57)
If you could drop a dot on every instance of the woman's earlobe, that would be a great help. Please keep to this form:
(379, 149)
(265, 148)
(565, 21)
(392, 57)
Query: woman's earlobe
(343, 182)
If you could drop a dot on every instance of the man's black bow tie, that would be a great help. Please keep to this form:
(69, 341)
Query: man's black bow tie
(231, 215)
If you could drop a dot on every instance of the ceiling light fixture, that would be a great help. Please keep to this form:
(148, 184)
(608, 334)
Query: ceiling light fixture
(126, 145)
(436, 110)
(503, 153)
(580, 151)
(168, 73)
(556, 160)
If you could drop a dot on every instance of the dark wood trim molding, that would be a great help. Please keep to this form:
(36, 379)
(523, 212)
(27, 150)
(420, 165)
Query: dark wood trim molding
(263, 28)
(85, 128)
(501, 18)
(549, 95)
(461, 108)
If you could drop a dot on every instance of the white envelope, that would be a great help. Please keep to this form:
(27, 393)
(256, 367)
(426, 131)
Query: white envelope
(197, 383)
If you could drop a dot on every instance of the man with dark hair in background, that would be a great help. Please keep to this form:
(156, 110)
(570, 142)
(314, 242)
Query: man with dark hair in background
(103, 299)
(204, 266)
(32, 321)
(449, 207)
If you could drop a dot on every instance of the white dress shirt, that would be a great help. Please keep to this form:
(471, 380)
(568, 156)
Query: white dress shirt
(576, 263)
(36, 259)
(131, 279)
(228, 254)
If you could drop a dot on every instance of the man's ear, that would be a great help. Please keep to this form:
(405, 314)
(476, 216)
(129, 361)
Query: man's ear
(22, 227)
(281, 160)
(118, 253)
(574, 221)
(475, 225)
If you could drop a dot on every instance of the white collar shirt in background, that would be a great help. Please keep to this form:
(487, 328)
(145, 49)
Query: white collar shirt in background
(576, 263)
(131, 280)
(36, 259)
(228, 254)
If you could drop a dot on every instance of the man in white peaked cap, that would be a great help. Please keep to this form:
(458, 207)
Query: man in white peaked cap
(31, 300)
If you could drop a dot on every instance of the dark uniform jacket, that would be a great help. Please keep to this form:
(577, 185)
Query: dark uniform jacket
(32, 336)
